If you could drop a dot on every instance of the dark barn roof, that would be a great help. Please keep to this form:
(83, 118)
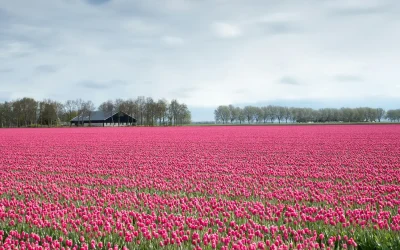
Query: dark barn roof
(97, 116)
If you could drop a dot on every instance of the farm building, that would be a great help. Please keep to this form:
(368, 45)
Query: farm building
(100, 118)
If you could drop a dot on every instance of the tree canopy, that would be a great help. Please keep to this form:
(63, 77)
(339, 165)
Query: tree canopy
(253, 114)
(28, 112)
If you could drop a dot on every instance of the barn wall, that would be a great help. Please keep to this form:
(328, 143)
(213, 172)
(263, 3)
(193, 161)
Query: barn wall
(124, 119)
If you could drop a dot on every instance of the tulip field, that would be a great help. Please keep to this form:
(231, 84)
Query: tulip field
(221, 187)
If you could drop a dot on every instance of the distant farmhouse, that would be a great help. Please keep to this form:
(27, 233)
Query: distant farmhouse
(102, 119)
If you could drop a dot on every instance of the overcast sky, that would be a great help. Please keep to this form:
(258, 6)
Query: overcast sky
(203, 52)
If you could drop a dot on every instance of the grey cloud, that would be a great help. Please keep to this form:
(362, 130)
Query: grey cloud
(104, 40)
(25, 40)
(97, 2)
(94, 85)
(101, 85)
(359, 11)
(289, 81)
(281, 27)
(14, 50)
(46, 68)
(6, 70)
(184, 92)
(348, 78)
(4, 16)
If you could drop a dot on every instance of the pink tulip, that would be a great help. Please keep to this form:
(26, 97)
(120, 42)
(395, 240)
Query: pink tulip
(198, 187)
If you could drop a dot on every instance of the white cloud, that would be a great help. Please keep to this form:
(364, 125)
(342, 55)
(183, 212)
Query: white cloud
(178, 5)
(173, 40)
(14, 49)
(324, 49)
(226, 30)
(277, 17)
(138, 26)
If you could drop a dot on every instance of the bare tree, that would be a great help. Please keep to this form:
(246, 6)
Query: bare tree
(264, 113)
(17, 111)
(89, 109)
(233, 113)
(286, 114)
(393, 115)
(108, 109)
(222, 113)
(174, 109)
(120, 106)
(280, 113)
(249, 113)
(218, 115)
(141, 104)
(380, 113)
(131, 108)
(49, 113)
(70, 109)
(161, 110)
(241, 115)
(27, 107)
(80, 105)
(27, 111)
(271, 113)
(258, 114)
(150, 108)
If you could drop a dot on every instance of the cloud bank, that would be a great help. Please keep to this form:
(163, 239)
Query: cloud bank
(206, 53)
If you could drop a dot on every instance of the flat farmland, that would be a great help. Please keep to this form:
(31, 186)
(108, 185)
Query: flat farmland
(247, 187)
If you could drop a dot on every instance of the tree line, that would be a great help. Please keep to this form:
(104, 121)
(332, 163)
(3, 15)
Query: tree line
(28, 112)
(269, 114)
